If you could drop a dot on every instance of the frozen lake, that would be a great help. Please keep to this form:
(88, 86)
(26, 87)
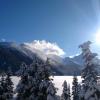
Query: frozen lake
(58, 81)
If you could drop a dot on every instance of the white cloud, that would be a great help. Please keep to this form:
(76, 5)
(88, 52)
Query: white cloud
(46, 47)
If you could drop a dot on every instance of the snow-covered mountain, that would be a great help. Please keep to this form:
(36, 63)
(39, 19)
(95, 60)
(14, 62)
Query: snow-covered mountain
(12, 55)
(76, 60)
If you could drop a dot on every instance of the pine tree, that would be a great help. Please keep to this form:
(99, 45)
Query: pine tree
(45, 73)
(89, 73)
(66, 92)
(6, 86)
(35, 80)
(41, 79)
(51, 91)
(69, 95)
(2, 87)
(22, 87)
(75, 88)
(44, 79)
(9, 85)
(81, 92)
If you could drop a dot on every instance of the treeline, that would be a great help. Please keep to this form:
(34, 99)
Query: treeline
(36, 82)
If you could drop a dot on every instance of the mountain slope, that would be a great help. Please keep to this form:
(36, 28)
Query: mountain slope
(12, 55)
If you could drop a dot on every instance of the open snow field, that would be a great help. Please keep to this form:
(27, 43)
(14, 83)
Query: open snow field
(58, 81)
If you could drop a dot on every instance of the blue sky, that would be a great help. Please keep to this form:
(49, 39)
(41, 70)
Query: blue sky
(66, 22)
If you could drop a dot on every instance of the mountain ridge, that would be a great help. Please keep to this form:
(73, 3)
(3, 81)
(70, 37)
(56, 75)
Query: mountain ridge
(12, 55)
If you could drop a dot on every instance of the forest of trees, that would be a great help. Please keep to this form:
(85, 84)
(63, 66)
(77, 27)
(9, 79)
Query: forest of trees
(36, 82)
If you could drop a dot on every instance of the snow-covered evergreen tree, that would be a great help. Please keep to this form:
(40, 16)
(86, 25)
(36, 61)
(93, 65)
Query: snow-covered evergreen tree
(81, 92)
(35, 80)
(28, 86)
(45, 73)
(22, 87)
(2, 87)
(6, 86)
(51, 91)
(45, 70)
(69, 95)
(9, 85)
(75, 88)
(66, 92)
(89, 73)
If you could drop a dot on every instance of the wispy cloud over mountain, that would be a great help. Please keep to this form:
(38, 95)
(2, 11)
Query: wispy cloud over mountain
(46, 47)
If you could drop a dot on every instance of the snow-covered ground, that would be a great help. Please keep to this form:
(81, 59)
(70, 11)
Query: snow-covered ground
(58, 81)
